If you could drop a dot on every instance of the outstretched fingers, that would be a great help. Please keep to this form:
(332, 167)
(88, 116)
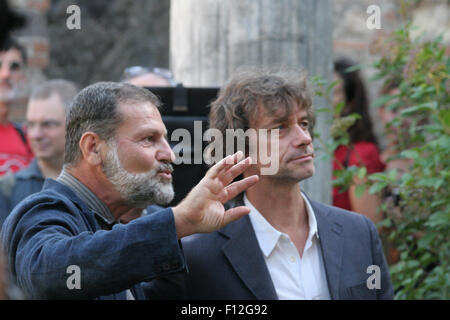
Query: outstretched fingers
(234, 214)
(239, 186)
(225, 164)
(237, 169)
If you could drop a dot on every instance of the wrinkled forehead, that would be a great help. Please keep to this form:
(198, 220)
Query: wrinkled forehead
(137, 116)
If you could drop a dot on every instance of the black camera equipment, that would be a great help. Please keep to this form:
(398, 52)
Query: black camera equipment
(182, 107)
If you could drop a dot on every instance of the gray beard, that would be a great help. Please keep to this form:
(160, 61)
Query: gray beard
(139, 190)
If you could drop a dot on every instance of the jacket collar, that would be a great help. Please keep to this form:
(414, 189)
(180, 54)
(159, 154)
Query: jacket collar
(331, 244)
(243, 253)
(53, 185)
(59, 187)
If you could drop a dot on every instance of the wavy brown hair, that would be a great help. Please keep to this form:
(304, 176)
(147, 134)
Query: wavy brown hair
(242, 96)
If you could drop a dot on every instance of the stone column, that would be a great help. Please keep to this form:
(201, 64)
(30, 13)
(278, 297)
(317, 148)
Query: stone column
(209, 39)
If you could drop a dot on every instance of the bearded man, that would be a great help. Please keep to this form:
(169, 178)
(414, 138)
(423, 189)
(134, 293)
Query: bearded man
(65, 242)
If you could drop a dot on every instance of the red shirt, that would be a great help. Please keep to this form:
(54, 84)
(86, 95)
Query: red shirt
(14, 154)
(363, 153)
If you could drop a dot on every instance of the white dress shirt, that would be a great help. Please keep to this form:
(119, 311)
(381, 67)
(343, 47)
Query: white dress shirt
(294, 277)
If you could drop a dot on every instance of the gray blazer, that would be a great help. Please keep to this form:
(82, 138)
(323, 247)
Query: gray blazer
(228, 264)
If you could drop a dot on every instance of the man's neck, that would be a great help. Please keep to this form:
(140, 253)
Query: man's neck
(280, 203)
(106, 193)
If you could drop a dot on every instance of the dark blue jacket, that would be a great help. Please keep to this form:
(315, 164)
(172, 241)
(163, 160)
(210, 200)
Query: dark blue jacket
(26, 181)
(53, 229)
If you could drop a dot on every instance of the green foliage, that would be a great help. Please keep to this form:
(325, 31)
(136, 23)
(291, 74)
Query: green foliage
(419, 225)
(421, 231)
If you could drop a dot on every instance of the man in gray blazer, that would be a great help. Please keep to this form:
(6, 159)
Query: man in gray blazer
(288, 247)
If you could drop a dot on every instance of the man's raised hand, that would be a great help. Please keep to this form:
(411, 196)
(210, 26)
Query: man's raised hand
(202, 210)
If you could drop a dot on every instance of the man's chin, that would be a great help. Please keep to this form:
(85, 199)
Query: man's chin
(44, 156)
(163, 196)
(293, 176)
(166, 196)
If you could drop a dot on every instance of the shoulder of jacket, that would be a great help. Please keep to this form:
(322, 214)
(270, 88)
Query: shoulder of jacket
(346, 218)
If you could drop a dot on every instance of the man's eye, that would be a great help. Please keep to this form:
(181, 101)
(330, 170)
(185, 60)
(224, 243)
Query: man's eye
(15, 66)
(304, 124)
(50, 124)
(149, 139)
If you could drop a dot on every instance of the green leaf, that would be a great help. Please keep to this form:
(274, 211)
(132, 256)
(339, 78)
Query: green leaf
(323, 110)
(407, 178)
(318, 80)
(440, 218)
(387, 223)
(418, 273)
(332, 85)
(425, 241)
(438, 203)
(359, 190)
(377, 76)
(444, 116)
(423, 107)
(412, 264)
(380, 101)
(356, 67)
(435, 183)
(411, 153)
(338, 108)
(392, 175)
(362, 172)
(377, 187)
(378, 177)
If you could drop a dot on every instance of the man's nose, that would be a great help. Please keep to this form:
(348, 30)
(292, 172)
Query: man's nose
(35, 132)
(165, 153)
(302, 137)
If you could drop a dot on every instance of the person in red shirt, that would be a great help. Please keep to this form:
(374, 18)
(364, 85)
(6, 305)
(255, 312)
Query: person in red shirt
(14, 151)
(363, 149)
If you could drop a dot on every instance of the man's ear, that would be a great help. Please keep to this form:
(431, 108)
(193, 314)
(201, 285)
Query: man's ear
(90, 145)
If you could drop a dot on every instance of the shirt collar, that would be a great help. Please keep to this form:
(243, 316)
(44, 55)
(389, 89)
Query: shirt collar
(311, 219)
(86, 195)
(267, 235)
